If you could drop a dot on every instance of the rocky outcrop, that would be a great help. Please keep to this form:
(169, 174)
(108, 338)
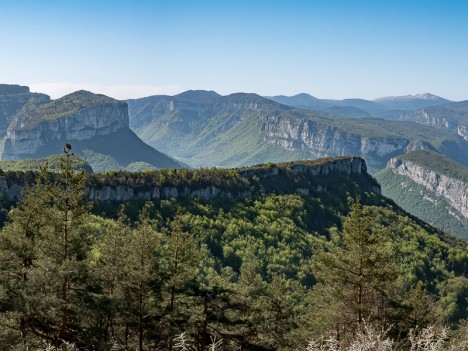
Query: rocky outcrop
(12, 99)
(463, 131)
(324, 140)
(13, 89)
(97, 119)
(342, 165)
(121, 190)
(419, 145)
(453, 190)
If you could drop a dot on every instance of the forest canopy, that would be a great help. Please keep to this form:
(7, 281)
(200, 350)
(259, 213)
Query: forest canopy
(267, 272)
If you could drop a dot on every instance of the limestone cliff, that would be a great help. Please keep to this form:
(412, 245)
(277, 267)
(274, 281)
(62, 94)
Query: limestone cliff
(315, 176)
(78, 116)
(325, 140)
(12, 99)
(452, 120)
(453, 190)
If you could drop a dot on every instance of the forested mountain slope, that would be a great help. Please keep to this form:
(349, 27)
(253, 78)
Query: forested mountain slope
(244, 267)
(430, 186)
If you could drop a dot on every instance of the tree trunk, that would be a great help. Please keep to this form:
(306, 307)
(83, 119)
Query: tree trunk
(140, 320)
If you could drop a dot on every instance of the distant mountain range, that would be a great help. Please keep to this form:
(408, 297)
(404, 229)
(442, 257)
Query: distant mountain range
(452, 117)
(411, 102)
(386, 107)
(203, 128)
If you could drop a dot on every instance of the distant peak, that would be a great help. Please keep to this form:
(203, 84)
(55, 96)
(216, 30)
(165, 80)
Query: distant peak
(236, 95)
(421, 96)
(304, 95)
(86, 95)
(427, 96)
(199, 93)
(81, 93)
(297, 96)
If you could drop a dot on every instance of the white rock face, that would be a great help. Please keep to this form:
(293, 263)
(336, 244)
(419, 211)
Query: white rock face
(463, 132)
(121, 191)
(101, 119)
(325, 141)
(433, 120)
(453, 190)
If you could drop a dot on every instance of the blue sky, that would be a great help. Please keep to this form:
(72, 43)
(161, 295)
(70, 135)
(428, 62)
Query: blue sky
(327, 48)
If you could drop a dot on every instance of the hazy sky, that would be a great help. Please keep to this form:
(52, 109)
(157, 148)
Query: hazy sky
(328, 48)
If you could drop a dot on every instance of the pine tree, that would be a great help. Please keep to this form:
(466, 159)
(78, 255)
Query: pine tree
(182, 262)
(44, 252)
(246, 318)
(356, 275)
(108, 264)
(129, 268)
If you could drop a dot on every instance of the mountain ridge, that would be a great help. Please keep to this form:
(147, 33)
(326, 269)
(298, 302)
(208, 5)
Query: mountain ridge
(127, 187)
(242, 129)
(384, 107)
(430, 186)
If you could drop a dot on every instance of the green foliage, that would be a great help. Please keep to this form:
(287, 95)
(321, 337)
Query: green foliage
(103, 163)
(358, 272)
(52, 163)
(240, 268)
(43, 256)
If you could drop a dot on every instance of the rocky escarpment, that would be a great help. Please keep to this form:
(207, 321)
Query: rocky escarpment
(441, 118)
(325, 140)
(312, 176)
(79, 116)
(453, 190)
(12, 99)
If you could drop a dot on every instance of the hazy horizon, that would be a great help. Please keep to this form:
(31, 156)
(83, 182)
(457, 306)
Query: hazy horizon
(328, 48)
(114, 92)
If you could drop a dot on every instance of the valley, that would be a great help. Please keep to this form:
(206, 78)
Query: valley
(244, 129)
(233, 176)
(204, 129)
(181, 203)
